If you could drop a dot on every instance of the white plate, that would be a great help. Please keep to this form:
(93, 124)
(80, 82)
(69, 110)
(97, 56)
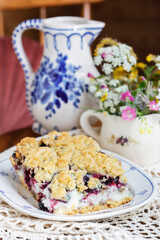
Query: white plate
(12, 192)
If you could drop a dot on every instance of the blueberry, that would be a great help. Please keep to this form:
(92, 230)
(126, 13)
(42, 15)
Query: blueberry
(18, 165)
(95, 190)
(108, 181)
(27, 178)
(14, 155)
(44, 185)
(40, 196)
(101, 177)
(42, 207)
(32, 174)
(86, 179)
(116, 180)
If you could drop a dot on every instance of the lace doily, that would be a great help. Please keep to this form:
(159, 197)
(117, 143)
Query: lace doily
(143, 223)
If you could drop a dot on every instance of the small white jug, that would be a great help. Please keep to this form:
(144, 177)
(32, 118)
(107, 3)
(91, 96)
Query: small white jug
(138, 140)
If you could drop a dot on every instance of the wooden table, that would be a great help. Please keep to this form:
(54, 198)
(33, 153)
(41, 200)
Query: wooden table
(8, 140)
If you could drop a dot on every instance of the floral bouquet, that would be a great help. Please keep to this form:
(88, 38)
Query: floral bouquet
(125, 88)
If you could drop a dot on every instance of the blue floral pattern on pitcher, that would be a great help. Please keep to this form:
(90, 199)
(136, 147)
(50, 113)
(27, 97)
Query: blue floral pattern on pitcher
(57, 83)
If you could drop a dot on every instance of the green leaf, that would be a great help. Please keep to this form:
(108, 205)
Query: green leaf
(142, 85)
(134, 93)
(146, 111)
(148, 70)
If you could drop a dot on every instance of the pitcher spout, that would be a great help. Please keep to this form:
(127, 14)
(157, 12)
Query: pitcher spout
(93, 28)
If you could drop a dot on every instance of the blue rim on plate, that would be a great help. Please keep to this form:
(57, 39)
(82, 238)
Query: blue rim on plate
(13, 193)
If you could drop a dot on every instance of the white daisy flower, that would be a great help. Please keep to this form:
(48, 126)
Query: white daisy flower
(116, 62)
(112, 110)
(127, 66)
(107, 68)
(114, 82)
(158, 65)
(124, 58)
(109, 50)
(98, 94)
(109, 57)
(106, 78)
(92, 88)
(116, 99)
(112, 95)
(98, 60)
(158, 58)
(115, 51)
(108, 103)
(132, 60)
(101, 105)
(122, 108)
(121, 89)
(102, 50)
(124, 48)
(101, 80)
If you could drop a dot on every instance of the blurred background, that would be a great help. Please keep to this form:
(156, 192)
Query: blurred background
(134, 22)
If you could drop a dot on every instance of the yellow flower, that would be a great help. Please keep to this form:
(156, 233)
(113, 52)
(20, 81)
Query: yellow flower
(142, 130)
(150, 58)
(133, 74)
(104, 97)
(104, 113)
(119, 73)
(149, 130)
(141, 65)
(104, 43)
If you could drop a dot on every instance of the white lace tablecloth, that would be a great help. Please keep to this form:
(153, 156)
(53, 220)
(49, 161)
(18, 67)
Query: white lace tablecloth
(143, 223)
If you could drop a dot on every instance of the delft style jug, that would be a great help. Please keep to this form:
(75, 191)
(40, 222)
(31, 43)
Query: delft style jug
(57, 92)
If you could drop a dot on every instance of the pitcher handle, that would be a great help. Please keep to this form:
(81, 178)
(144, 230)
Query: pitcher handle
(86, 126)
(18, 46)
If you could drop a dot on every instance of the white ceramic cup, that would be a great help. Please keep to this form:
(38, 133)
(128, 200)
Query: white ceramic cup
(138, 140)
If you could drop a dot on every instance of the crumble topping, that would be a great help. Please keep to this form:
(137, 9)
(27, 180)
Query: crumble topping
(97, 162)
(26, 144)
(64, 160)
(94, 183)
(67, 180)
(62, 182)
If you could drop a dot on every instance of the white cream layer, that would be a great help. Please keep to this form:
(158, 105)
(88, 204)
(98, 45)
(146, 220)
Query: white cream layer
(77, 199)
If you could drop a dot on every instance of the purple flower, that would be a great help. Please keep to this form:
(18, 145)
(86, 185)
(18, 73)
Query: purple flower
(143, 78)
(153, 106)
(103, 55)
(103, 86)
(127, 95)
(90, 75)
(129, 113)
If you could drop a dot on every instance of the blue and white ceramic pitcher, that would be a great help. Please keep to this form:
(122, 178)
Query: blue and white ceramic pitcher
(58, 90)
